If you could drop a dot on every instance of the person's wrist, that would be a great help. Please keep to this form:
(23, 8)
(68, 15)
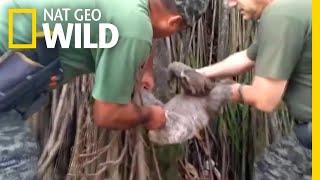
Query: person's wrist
(241, 99)
(145, 115)
(201, 71)
(156, 118)
(236, 96)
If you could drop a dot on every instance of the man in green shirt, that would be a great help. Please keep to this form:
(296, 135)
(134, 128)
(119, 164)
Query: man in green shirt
(116, 68)
(281, 58)
(138, 21)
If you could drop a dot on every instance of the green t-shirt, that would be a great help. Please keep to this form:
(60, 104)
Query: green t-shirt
(282, 50)
(115, 68)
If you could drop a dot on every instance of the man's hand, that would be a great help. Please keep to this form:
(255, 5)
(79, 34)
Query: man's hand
(192, 82)
(53, 82)
(156, 118)
(236, 97)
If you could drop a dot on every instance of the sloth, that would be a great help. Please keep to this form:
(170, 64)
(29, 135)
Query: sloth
(189, 112)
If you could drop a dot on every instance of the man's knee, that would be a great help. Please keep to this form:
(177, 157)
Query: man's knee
(286, 159)
(304, 134)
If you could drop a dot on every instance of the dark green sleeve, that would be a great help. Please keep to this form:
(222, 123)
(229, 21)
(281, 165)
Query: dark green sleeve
(253, 50)
(281, 40)
(116, 69)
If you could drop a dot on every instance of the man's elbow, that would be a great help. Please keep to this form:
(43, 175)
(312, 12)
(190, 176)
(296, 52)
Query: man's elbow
(266, 108)
(103, 115)
(265, 105)
(101, 121)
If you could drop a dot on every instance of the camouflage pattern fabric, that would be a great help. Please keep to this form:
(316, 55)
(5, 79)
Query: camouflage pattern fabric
(286, 159)
(191, 10)
(18, 149)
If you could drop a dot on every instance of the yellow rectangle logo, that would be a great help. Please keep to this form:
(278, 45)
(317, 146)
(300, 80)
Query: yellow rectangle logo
(11, 13)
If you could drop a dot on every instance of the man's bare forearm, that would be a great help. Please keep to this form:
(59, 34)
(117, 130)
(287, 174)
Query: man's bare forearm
(233, 65)
(120, 117)
(264, 94)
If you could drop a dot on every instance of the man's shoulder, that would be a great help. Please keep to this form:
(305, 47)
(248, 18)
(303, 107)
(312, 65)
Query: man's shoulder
(131, 17)
(293, 9)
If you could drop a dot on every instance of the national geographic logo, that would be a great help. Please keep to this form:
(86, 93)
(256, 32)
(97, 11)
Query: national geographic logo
(33, 13)
(80, 28)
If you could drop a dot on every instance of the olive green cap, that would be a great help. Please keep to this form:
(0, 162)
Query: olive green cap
(191, 10)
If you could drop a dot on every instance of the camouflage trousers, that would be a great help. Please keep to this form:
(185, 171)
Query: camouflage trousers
(18, 148)
(286, 159)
